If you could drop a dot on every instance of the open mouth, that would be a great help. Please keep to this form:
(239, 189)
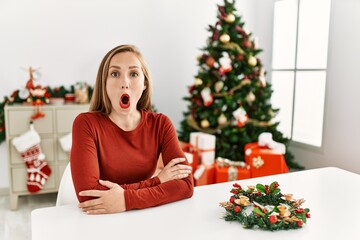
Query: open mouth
(125, 101)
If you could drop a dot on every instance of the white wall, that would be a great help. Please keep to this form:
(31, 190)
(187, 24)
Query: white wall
(67, 40)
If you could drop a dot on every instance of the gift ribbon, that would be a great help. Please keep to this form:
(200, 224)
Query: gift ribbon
(224, 162)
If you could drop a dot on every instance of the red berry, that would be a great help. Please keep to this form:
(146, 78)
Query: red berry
(234, 191)
(232, 199)
(237, 209)
(273, 219)
(307, 215)
(299, 210)
(299, 223)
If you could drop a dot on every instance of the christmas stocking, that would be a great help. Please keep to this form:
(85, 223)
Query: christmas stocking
(38, 171)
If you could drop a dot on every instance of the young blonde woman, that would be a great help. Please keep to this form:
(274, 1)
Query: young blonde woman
(116, 145)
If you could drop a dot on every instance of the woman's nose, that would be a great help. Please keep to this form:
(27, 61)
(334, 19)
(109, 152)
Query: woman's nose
(124, 83)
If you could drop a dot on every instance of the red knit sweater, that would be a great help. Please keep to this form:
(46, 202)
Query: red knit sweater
(102, 150)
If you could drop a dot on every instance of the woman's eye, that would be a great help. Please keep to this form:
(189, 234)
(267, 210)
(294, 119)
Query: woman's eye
(134, 74)
(114, 74)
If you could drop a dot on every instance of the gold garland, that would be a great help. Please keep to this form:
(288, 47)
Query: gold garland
(232, 90)
(232, 45)
(192, 123)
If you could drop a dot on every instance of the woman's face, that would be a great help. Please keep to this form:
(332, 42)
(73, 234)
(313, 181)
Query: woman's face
(125, 82)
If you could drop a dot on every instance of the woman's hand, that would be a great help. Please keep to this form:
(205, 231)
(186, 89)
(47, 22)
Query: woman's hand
(173, 170)
(107, 201)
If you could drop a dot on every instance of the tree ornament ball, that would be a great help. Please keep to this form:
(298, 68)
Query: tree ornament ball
(230, 18)
(247, 43)
(205, 123)
(250, 97)
(219, 86)
(198, 81)
(222, 119)
(225, 38)
(210, 61)
(240, 57)
(252, 61)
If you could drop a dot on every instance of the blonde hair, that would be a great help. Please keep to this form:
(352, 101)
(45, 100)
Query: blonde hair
(100, 101)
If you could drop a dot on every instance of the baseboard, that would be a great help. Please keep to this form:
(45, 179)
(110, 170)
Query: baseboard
(4, 191)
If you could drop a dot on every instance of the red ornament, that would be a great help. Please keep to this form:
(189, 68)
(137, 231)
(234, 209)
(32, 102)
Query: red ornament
(237, 209)
(232, 199)
(239, 29)
(240, 57)
(273, 219)
(246, 43)
(234, 191)
(210, 61)
(299, 223)
(299, 210)
(237, 185)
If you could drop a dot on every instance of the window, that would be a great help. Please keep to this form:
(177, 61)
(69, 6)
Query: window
(299, 64)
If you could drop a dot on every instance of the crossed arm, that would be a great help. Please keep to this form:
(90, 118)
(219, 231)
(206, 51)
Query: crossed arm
(113, 199)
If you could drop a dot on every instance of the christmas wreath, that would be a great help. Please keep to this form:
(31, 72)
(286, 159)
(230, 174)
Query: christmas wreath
(265, 207)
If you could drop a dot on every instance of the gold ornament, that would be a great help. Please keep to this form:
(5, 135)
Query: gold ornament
(225, 38)
(222, 119)
(205, 123)
(243, 201)
(252, 61)
(246, 81)
(250, 97)
(198, 81)
(230, 18)
(218, 86)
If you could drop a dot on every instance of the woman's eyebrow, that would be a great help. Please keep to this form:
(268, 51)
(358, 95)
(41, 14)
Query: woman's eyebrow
(115, 67)
(134, 67)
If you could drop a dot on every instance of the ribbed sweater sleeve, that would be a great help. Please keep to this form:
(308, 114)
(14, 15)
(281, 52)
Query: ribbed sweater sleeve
(166, 192)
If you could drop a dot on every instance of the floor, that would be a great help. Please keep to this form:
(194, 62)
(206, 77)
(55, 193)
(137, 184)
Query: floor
(16, 225)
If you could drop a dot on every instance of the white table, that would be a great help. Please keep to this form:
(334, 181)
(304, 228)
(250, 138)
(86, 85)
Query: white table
(332, 195)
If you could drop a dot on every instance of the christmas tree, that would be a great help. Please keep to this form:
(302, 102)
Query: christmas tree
(230, 97)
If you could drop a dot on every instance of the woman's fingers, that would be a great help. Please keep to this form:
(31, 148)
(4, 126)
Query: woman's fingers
(91, 193)
(180, 167)
(90, 203)
(175, 161)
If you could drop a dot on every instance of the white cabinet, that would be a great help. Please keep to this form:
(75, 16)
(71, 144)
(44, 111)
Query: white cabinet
(56, 123)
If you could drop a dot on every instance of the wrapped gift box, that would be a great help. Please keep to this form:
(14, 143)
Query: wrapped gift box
(191, 154)
(205, 145)
(204, 175)
(226, 170)
(264, 161)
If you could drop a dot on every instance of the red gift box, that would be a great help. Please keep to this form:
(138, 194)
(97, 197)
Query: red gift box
(204, 175)
(226, 170)
(264, 161)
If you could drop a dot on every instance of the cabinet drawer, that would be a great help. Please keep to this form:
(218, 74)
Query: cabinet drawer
(65, 118)
(20, 119)
(19, 176)
(47, 147)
